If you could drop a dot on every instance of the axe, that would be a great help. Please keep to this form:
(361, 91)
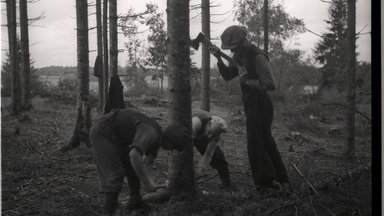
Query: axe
(201, 38)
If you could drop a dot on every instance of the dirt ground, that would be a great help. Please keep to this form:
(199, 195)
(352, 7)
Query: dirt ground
(39, 180)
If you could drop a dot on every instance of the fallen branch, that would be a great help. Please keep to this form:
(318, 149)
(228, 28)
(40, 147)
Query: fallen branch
(305, 180)
(313, 208)
(349, 175)
(207, 179)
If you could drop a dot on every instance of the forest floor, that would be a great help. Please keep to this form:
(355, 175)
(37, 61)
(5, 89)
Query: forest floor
(39, 180)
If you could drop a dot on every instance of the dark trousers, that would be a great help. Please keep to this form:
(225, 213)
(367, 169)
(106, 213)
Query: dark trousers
(264, 158)
(218, 161)
(113, 162)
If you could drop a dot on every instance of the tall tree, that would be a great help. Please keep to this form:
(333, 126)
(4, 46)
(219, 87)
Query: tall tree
(281, 26)
(156, 39)
(12, 42)
(330, 50)
(180, 170)
(105, 51)
(205, 57)
(113, 36)
(83, 119)
(351, 94)
(265, 20)
(100, 53)
(130, 23)
(25, 61)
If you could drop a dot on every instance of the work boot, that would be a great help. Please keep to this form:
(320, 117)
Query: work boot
(225, 177)
(110, 203)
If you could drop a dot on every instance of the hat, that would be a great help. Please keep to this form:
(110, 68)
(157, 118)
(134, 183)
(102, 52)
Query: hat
(219, 123)
(175, 137)
(233, 36)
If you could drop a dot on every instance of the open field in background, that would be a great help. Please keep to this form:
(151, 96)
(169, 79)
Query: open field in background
(38, 180)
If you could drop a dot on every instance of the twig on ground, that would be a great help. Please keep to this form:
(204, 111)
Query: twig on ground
(328, 210)
(207, 179)
(32, 148)
(305, 180)
(313, 208)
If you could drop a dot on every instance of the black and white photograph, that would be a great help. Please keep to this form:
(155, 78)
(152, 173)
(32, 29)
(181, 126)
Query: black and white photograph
(190, 107)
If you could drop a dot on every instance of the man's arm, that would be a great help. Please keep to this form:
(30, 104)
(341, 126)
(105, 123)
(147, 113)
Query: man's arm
(145, 137)
(207, 157)
(227, 72)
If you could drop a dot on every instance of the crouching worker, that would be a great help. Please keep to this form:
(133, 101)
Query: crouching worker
(125, 143)
(206, 131)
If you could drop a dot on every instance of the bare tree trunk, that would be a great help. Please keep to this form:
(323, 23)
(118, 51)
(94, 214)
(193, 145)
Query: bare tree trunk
(180, 169)
(266, 26)
(162, 76)
(351, 95)
(100, 53)
(280, 73)
(113, 36)
(83, 120)
(105, 50)
(205, 57)
(25, 62)
(13, 55)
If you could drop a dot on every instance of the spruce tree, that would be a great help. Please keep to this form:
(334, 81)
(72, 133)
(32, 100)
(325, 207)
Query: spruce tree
(330, 51)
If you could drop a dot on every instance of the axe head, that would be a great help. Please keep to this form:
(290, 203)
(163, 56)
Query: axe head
(195, 43)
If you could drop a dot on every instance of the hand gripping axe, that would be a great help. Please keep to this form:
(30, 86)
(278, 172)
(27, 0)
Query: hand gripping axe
(201, 38)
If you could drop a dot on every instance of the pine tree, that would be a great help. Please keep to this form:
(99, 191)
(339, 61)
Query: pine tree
(205, 57)
(180, 171)
(83, 119)
(26, 99)
(330, 51)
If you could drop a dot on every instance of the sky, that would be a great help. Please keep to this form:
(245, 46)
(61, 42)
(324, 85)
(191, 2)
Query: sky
(53, 39)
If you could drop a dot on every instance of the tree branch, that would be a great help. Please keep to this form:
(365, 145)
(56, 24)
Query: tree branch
(362, 29)
(312, 32)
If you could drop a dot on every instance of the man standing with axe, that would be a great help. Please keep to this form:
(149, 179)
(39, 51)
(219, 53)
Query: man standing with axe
(252, 65)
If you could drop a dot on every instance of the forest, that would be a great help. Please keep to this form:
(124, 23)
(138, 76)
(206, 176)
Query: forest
(322, 111)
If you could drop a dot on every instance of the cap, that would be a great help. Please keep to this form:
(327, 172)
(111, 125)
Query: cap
(218, 122)
(233, 36)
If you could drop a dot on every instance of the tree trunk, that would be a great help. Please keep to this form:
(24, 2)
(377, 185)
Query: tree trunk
(100, 53)
(13, 56)
(266, 26)
(351, 74)
(83, 120)
(113, 36)
(25, 62)
(280, 72)
(105, 50)
(180, 169)
(205, 57)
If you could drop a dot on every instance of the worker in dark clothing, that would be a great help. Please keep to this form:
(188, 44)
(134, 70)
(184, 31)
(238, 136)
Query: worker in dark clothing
(206, 131)
(115, 98)
(268, 170)
(125, 143)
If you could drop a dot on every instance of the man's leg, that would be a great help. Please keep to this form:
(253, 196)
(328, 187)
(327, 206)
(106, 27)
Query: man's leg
(262, 168)
(271, 147)
(109, 167)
